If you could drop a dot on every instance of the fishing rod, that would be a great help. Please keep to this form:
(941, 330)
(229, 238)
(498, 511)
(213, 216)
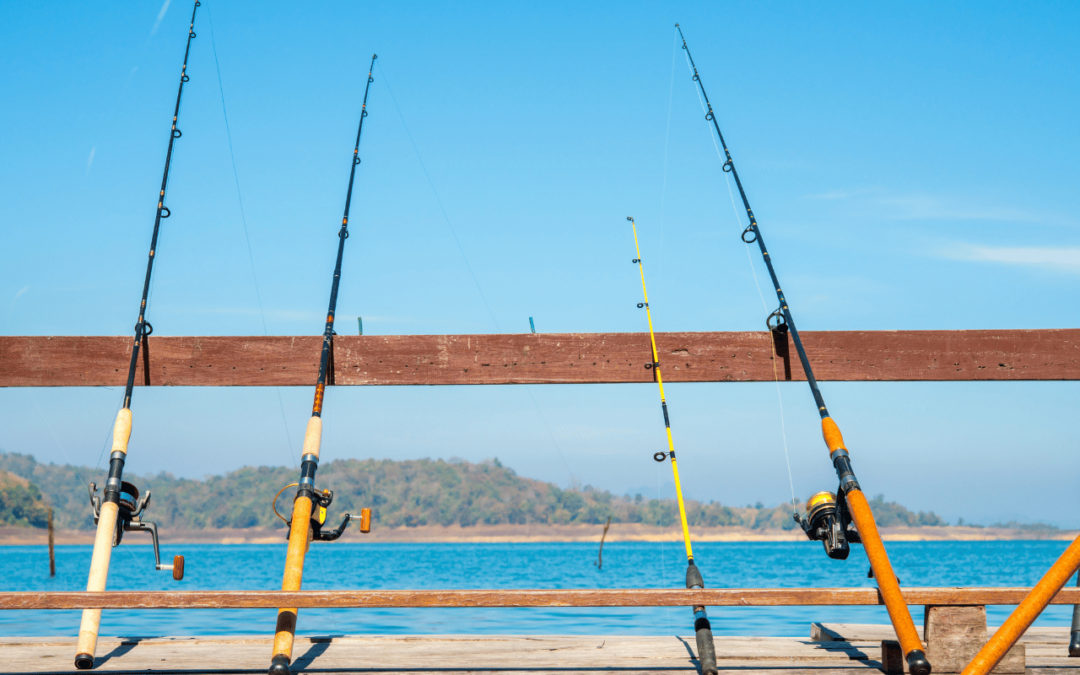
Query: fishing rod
(1027, 611)
(829, 517)
(702, 627)
(1074, 640)
(307, 521)
(120, 507)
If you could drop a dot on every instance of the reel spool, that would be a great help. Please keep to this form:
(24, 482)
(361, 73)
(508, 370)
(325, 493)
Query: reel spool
(129, 519)
(823, 522)
(322, 499)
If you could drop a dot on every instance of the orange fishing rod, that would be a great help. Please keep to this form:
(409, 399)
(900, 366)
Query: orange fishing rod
(828, 517)
(120, 507)
(1027, 611)
(702, 627)
(310, 504)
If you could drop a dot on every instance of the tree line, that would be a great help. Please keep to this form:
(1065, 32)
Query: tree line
(407, 493)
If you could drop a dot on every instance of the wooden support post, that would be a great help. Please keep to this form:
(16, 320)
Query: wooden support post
(954, 634)
(52, 550)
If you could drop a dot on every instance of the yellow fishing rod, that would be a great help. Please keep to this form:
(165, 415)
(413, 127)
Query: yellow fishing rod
(702, 627)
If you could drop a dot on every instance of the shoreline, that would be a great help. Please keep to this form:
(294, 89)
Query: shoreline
(520, 534)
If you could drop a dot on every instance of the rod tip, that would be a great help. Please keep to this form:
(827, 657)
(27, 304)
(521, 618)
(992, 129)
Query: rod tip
(630, 219)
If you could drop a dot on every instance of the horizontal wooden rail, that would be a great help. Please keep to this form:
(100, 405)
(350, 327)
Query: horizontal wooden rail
(712, 597)
(546, 358)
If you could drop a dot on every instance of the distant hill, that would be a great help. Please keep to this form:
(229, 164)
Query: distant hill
(21, 504)
(400, 493)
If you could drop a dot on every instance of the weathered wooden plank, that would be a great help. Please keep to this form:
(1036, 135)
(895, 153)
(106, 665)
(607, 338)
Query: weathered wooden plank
(870, 632)
(715, 597)
(453, 655)
(445, 654)
(566, 358)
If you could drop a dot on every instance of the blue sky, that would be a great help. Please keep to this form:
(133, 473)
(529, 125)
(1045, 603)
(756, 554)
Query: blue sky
(912, 167)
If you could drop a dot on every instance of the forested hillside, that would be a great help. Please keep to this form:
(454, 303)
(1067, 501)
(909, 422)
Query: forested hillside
(400, 493)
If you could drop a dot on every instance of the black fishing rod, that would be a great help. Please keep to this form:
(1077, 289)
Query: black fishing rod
(829, 517)
(119, 509)
(307, 522)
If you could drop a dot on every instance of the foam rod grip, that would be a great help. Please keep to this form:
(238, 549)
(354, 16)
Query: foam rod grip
(1074, 643)
(888, 586)
(706, 648)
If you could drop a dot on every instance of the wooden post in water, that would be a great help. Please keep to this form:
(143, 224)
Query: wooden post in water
(52, 551)
(600, 554)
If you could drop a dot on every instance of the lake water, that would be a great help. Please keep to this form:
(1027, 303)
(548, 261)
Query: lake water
(435, 566)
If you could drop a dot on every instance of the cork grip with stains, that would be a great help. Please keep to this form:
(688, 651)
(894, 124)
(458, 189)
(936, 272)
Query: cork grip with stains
(99, 562)
(313, 437)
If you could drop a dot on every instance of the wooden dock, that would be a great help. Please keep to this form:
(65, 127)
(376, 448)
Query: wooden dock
(1047, 654)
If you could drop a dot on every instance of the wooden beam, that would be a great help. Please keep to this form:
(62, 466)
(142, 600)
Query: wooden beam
(712, 597)
(545, 358)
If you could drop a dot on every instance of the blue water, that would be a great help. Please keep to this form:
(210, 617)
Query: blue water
(434, 566)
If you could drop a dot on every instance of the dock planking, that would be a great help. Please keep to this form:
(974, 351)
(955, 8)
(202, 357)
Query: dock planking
(460, 654)
(542, 358)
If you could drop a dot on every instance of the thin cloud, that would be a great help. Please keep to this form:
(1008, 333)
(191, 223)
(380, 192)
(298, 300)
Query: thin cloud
(929, 207)
(160, 16)
(879, 203)
(11, 307)
(831, 194)
(1061, 259)
(90, 160)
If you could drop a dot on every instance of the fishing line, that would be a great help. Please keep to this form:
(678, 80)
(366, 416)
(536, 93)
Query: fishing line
(829, 517)
(431, 184)
(465, 258)
(119, 508)
(56, 439)
(243, 220)
(669, 612)
(775, 357)
(105, 442)
(757, 284)
(310, 504)
(702, 627)
(667, 137)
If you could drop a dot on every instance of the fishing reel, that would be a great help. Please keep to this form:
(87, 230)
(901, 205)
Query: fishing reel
(129, 519)
(827, 520)
(320, 501)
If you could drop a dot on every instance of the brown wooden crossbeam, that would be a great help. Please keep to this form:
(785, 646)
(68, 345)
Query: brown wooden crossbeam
(545, 358)
(635, 597)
